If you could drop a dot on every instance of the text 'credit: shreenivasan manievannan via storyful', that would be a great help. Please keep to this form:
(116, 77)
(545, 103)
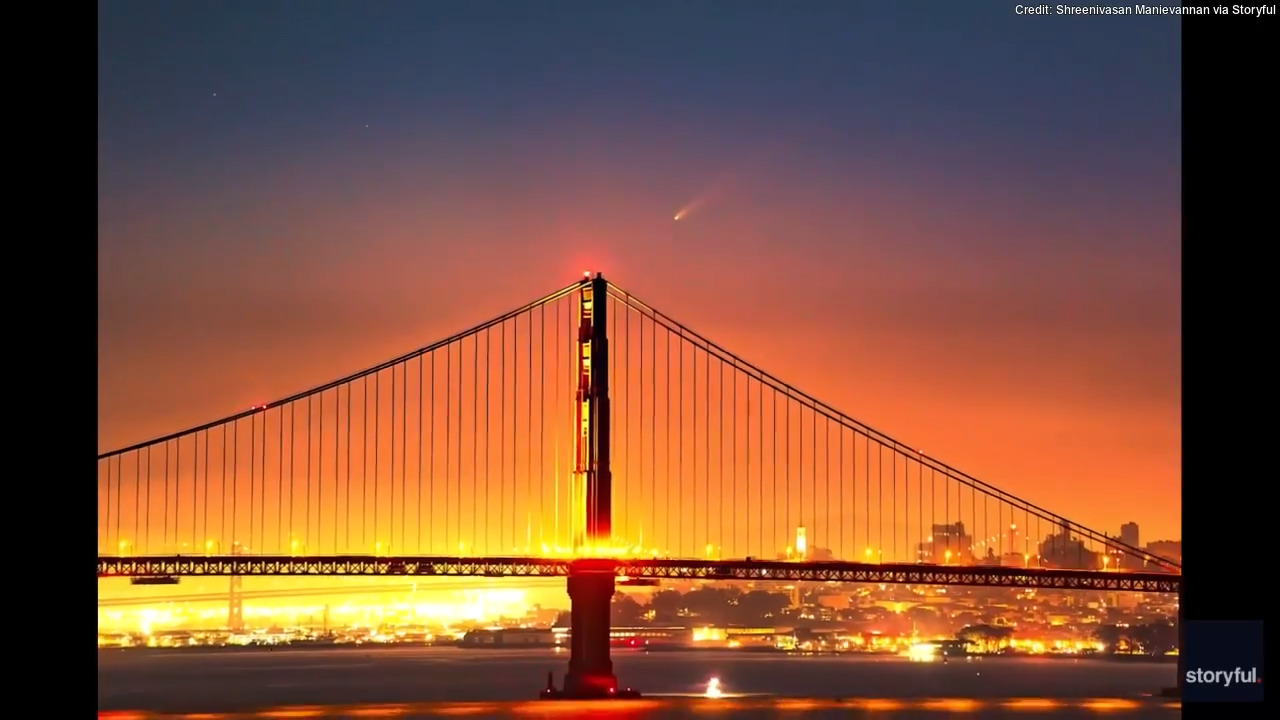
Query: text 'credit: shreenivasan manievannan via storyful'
(1258, 11)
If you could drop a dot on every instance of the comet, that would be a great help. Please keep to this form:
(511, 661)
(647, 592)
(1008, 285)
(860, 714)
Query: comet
(717, 189)
(684, 212)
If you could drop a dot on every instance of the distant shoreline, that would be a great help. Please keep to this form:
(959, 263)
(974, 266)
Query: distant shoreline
(383, 647)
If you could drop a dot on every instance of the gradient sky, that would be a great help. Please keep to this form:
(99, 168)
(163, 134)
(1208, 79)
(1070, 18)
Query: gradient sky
(959, 225)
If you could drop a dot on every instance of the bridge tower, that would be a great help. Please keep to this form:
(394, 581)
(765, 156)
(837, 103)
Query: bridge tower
(591, 582)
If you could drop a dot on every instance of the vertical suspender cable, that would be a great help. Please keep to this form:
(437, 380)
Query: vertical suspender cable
(448, 440)
(235, 481)
(431, 457)
(253, 474)
(364, 443)
(720, 479)
(542, 419)
(773, 461)
(502, 434)
(866, 476)
(280, 541)
(760, 544)
(204, 523)
(653, 434)
(528, 428)
(746, 477)
(306, 523)
(475, 440)
(515, 404)
(844, 548)
(680, 515)
(488, 369)
(555, 434)
(419, 518)
(320, 472)
(346, 532)
(667, 426)
(177, 491)
(826, 485)
(262, 486)
(391, 463)
(165, 470)
(733, 461)
(800, 470)
(786, 464)
(120, 491)
(404, 456)
(626, 422)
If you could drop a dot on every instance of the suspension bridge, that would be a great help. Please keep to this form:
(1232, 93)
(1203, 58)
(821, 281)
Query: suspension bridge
(589, 436)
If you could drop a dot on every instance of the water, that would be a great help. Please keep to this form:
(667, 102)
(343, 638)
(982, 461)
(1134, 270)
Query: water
(420, 682)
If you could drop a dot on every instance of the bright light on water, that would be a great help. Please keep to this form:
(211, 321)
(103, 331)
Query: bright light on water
(713, 688)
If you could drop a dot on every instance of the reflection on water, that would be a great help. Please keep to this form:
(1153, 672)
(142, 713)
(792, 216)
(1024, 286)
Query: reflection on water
(432, 682)
(688, 707)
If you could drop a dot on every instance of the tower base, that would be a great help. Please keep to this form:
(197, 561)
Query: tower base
(597, 691)
(590, 676)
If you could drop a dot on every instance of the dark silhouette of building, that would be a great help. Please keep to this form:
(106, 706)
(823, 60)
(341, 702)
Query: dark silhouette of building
(1129, 534)
(1063, 551)
(948, 543)
(1170, 550)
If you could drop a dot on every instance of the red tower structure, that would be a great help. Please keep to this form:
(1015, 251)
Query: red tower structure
(591, 470)
(591, 581)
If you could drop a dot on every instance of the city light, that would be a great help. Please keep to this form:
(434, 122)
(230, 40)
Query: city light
(923, 652)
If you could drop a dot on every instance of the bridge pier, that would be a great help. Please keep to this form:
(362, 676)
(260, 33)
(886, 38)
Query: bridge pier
(590, 667)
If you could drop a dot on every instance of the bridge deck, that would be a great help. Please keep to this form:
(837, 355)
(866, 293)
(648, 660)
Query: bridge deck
(657, 568)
